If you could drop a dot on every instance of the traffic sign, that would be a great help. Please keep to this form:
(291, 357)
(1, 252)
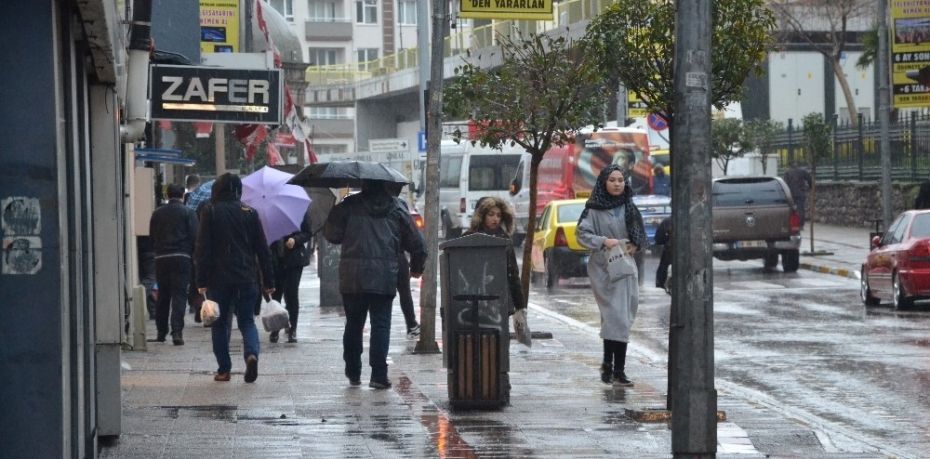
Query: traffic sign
(421, 141)
(656, 122)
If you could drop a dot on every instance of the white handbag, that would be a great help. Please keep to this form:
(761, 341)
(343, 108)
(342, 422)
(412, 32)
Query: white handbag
(619, 263)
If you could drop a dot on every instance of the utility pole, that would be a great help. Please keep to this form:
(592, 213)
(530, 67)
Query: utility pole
(427, 342)
(694, 399)
(884, 109)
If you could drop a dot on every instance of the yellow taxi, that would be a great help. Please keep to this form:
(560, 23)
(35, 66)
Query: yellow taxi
(556, 253)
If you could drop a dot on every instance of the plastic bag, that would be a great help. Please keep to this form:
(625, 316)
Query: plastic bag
(274, 316)
(521, 328)
(619, 263)
(209, 311)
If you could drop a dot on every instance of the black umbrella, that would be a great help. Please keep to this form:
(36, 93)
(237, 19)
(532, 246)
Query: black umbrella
(340, 174)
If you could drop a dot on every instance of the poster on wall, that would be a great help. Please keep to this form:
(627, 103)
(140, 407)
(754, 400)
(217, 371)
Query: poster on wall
(506, 9)
(910, 51)
(219, 26)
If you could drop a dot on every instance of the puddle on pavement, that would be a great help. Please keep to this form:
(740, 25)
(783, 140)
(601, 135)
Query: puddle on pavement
(217, 412)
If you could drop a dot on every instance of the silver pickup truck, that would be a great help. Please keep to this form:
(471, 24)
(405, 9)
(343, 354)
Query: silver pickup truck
(755, 217)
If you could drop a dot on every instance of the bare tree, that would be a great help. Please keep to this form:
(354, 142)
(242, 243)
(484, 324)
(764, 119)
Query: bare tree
(825, 24)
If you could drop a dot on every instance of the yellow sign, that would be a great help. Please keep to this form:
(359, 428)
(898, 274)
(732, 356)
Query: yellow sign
(219, 26)
(507, 9)
(636, 107)
(910, 51)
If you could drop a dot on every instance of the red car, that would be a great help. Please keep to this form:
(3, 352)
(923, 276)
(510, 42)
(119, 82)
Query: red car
(898, 265)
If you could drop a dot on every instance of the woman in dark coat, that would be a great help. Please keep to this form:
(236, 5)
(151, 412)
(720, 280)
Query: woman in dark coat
(291, 253)
(494, 217)
(609, 219)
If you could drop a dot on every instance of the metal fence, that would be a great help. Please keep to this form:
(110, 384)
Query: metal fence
(855, 150)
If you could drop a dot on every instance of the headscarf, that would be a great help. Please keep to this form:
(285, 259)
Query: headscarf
(600, 199)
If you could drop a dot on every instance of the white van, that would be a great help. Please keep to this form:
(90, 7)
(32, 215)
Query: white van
(451, 155)
(490, 172)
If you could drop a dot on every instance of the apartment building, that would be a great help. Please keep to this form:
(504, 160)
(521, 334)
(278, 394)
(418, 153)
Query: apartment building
(334, 32)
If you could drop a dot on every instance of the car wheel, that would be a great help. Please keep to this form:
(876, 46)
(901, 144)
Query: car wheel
(898, 295)
(865, 292)
(790, 261)
(770, 260)
(552, 274)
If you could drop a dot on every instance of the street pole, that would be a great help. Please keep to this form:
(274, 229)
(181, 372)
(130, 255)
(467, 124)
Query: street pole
(694, 399)
(427, 342)
(423, 68)
(884, 109)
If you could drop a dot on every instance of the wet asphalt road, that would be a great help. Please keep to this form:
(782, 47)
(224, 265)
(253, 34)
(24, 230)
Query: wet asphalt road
(803, 344)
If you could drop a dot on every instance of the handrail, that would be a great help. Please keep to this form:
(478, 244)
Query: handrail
(564, 14)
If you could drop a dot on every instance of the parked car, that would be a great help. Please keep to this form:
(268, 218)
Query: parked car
(898, 265)
(556, 253)
(755, 217)
(654, 209)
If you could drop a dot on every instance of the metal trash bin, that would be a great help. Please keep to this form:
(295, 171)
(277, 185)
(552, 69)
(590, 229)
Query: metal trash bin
(476, 306)
(327, 268)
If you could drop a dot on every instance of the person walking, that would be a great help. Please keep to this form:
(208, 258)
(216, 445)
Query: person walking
(191, 183)
(664, 238)
(291, 254)
(230, 252)
(173, 229)
(403, 273)
(923, 196)
(372, 230)
(608, 219)
(799, 181)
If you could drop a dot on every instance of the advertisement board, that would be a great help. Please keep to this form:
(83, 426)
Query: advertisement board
(191, 93)
(219, 26)
(506, 9)
(910, 51)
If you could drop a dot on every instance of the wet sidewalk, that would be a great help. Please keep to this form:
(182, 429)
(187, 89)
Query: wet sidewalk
(838, 250)
(303, 406)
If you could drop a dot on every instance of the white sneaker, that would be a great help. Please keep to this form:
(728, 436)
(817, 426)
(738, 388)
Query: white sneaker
(413, 333)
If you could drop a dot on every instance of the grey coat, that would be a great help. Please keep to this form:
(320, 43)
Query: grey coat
(619, 300)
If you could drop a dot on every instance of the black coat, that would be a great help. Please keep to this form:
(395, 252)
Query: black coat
(231, 247)
(297, 257)
(373, 229)
(173, 229)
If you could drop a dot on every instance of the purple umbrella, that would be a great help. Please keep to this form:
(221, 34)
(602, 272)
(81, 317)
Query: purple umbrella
(281, 207)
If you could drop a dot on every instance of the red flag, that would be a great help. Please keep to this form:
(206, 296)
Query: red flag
(272, 155)
(250, 135)
(310, 155)
(203, 129)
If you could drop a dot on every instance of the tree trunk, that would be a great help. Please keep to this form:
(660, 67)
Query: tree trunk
(530, 226)
(847, 93)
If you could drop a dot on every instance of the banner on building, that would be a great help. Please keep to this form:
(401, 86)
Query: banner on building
(910, 51)
(506, 9)
(219, 94)
(219, 26)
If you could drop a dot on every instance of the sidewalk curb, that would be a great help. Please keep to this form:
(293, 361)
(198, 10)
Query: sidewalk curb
(827, 269)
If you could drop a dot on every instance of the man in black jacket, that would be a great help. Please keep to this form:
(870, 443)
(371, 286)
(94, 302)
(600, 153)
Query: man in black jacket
(372, 229)
(230, 252)
(173, 228)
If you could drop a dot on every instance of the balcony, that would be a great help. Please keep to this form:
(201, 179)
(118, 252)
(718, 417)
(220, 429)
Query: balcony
(323, 29)
(331, 95)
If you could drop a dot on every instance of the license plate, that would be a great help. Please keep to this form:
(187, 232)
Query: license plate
(751, 244)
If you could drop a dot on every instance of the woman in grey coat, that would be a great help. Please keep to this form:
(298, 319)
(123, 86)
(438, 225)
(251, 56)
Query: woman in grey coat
(609, 218)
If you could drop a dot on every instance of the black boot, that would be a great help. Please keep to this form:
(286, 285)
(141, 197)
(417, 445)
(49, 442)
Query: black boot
(292, 335)
(620, 379)
(606, 373)
(273, 337)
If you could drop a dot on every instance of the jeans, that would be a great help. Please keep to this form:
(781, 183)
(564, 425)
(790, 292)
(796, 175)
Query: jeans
(286, 282)
(801, 202)
(403, 291)
(238, 299)
(173, 275)
(357, 307)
